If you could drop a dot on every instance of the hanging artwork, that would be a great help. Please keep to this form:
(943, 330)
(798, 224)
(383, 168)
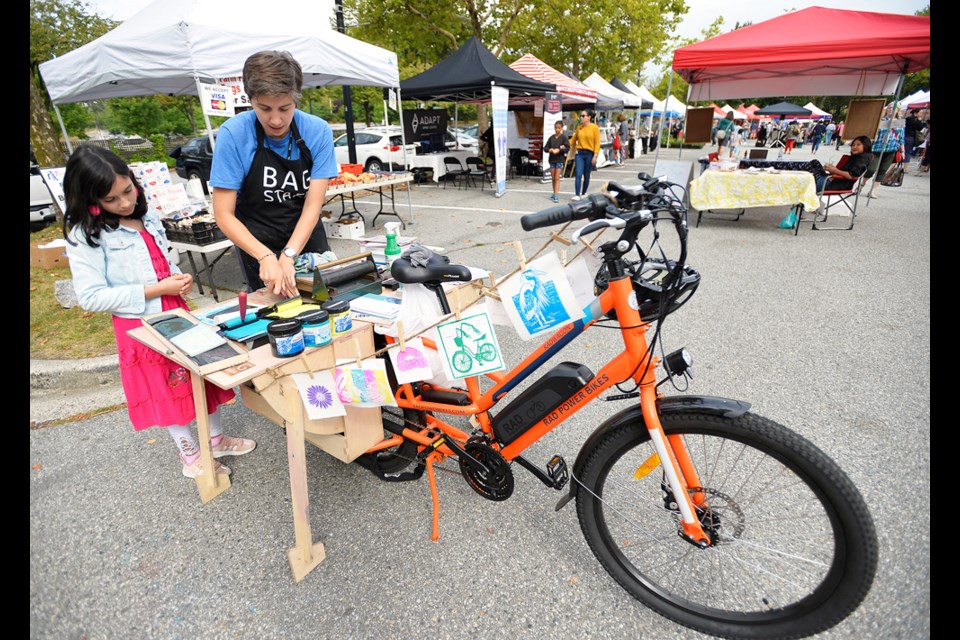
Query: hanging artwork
(468, 346)
(319, 395)
(539, 298)
(410, 364)
(366, 385)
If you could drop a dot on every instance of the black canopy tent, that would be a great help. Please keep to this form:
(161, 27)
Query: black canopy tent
(468, 74)
(782, 109)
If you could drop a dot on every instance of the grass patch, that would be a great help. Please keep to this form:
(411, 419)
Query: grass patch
(58, 333)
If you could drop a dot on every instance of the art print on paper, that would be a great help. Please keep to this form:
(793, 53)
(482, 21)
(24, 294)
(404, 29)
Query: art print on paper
(539, 298)
(366, 385)
(319, 395)
(410, 364)
(468, 346)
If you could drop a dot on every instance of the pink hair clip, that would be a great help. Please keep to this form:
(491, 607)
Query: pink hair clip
(94, 210)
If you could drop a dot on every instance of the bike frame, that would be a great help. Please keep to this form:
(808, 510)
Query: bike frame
(636, 362)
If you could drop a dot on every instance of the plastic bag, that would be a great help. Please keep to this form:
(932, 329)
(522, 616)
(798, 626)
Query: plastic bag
(790, 220)
(894, 177)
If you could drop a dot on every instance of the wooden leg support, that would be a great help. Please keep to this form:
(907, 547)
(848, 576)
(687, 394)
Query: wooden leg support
(209, 483)
(306, 554)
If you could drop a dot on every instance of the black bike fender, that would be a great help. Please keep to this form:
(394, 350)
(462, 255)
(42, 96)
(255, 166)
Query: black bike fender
(709, 405)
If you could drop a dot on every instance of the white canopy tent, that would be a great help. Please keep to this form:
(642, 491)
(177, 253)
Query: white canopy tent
(171, 46)
(818, 113)
(645, 94)
(601, 86)
(919, 96)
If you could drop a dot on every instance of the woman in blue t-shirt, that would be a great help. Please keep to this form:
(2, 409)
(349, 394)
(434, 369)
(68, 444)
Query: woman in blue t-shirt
(270, 172)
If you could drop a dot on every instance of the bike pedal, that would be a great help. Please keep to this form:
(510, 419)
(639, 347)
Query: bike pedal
(557, 470)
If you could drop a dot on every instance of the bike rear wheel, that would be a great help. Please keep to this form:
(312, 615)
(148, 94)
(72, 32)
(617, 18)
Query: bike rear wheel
(795, 550)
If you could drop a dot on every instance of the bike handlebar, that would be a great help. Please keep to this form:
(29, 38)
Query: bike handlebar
(595, 204)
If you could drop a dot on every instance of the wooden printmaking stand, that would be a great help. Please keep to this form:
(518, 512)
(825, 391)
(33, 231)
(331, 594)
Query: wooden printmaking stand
(267, 388)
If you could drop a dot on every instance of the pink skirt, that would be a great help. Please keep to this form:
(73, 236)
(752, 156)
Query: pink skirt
(157, 389)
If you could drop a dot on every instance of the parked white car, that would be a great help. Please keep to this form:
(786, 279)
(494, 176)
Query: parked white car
(42, 212)
(378, 149)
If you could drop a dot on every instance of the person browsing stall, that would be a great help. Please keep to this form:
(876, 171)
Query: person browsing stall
(118, 257)
(586, 140)
(270, 171)
(557, 147)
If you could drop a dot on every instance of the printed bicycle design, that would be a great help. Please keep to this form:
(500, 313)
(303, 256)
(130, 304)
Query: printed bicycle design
(463, 358)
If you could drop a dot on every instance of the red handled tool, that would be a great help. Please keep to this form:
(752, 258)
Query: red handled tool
(243, 306)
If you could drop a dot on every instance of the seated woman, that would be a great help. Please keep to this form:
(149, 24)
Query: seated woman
(843, 179)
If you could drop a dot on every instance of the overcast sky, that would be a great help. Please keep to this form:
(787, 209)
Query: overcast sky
(701, 12)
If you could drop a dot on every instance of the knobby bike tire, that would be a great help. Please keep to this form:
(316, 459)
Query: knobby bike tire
(796, 550)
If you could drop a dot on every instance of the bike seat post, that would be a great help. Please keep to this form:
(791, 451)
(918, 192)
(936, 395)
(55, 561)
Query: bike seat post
(437, 288)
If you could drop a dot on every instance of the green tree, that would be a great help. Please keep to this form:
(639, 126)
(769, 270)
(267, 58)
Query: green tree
(611, 38)
(56, 27)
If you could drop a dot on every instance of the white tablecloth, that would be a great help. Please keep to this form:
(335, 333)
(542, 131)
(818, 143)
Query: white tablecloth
(435, 161)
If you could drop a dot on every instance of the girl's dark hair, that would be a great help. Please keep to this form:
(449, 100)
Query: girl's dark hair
(865, 141)
(89, 176)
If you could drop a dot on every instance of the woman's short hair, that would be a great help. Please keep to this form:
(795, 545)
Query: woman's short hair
(272, 73)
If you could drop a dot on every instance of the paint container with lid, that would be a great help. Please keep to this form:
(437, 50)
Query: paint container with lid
(316, 327)
(340, 321)
(286, 337)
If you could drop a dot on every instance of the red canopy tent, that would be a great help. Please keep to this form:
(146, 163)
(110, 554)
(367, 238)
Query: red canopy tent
(814, 51)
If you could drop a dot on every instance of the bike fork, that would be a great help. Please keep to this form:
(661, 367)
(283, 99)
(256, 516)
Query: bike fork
(677, 467)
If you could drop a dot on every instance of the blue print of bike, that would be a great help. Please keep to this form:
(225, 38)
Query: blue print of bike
(463, 358)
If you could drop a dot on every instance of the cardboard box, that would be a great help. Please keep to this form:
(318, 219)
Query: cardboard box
(348, 229)
(49, 257)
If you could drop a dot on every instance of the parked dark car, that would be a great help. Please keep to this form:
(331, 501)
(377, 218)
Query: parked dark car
(194, 159)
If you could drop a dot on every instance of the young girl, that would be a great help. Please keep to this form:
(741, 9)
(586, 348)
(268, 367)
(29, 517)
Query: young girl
(118, 255)
(735, 138)
(617, 158)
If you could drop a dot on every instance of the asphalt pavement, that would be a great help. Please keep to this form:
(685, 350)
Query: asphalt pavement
(818, 331)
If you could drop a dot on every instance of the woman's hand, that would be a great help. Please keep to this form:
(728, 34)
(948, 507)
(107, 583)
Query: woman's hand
(278, 275)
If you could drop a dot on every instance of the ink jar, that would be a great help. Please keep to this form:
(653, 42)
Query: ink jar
(340, 322)
(286, 337)
(316, 327)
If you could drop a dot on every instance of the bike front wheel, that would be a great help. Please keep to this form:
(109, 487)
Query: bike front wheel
(794, 548)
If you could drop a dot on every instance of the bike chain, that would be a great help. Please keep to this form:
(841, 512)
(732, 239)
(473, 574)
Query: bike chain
(422, 427)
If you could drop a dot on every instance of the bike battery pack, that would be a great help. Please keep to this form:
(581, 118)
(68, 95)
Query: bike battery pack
(540, 398)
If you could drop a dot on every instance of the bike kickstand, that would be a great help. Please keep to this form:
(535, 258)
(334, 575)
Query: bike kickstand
(435, 533)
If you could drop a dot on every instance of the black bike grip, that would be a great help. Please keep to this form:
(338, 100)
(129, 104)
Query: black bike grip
(547, 217)
(591, 205)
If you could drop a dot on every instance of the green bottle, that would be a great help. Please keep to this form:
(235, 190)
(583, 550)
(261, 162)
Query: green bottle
(392, 250)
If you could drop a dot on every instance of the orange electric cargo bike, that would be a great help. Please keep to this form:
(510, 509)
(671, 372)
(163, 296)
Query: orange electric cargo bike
(717, 518)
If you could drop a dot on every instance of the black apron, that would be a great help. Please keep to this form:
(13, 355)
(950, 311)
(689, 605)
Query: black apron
(271, 200)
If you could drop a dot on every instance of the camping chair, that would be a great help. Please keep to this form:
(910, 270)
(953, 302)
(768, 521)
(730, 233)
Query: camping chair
(849, 198)
(758, 154)
(455, 171)
(477, 170)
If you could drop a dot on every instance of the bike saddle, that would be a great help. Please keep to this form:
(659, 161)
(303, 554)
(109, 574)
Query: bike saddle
(438, 269)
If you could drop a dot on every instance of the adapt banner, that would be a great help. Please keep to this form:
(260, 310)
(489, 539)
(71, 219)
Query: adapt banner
(420, 124)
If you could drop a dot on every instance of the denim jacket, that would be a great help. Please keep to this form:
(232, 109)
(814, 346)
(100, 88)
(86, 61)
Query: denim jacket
(111, 277)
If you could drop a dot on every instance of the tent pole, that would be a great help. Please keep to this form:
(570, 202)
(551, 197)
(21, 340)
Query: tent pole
(66, 138)
(680, 152)
(663, 115)
(403, 141)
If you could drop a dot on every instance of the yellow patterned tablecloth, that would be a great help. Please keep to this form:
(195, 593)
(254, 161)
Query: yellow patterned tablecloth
(740, 189)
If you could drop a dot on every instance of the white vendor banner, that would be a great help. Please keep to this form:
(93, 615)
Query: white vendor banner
(498, 99)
